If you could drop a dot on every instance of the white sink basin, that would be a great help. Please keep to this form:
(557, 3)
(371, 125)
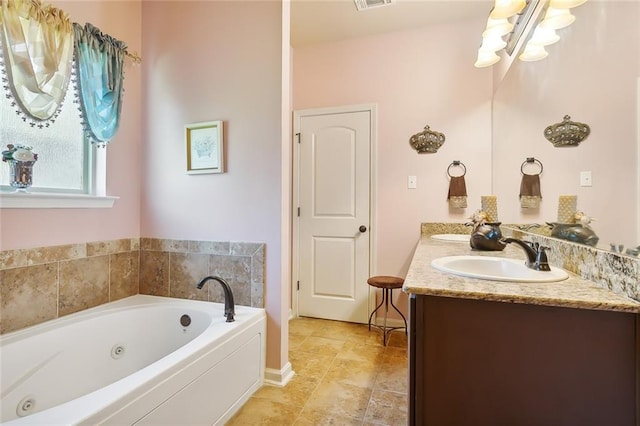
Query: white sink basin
(496, 269)
(461, 238)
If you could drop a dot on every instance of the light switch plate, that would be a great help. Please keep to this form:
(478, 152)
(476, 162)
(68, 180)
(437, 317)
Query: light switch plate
(586, 179)
(412, 182)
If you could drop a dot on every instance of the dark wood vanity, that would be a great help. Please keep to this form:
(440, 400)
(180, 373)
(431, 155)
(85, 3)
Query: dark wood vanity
(475, 362)
(501, 353)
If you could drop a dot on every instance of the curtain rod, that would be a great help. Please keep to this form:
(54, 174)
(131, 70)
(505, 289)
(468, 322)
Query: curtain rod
(135, 58)
(62, 17)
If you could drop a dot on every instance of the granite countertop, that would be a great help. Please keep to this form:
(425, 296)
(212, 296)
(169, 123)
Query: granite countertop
(574, 292)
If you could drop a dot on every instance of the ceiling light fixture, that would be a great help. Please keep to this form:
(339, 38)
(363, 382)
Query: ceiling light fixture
(486, 58)
(507, 8)
(514, 19)
(557, 18)
(544, 36)
(533, 52)
(497, 27)
(565, 4)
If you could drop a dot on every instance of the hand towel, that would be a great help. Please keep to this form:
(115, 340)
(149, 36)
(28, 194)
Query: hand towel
(457, 195)
(530, 195)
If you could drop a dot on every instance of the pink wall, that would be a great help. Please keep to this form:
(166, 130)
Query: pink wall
(27, 228)
(207, 61)
(416, 77)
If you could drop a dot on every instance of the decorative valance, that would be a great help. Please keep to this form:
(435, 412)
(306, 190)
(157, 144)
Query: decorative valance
(100, 69)
(38, 50)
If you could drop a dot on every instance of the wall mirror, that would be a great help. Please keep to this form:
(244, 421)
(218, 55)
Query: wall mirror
(593, 75)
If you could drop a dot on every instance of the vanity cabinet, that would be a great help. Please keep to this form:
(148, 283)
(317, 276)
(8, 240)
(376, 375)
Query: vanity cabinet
(481, 362)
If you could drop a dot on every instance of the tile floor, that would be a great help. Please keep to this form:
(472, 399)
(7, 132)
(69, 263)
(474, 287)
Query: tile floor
(344, 376)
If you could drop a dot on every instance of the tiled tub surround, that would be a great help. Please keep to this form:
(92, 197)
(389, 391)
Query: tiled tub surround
(174, 267)
(575, 292)
(44, 283)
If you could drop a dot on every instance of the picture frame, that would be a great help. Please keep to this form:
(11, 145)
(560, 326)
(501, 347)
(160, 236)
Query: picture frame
(204, 143)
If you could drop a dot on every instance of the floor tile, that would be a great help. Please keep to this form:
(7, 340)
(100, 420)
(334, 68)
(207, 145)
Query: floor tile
(344, 376)
(310, 364)
(321, 345)
(361, 352)
(324, 418)
(388, 408)
(303, 326)
(352, 372)
(340, 399)
(342, 331)
(395, 351)
(393, 374)
(297, 391)
(397, 339)
(265, 412)
(295, 340)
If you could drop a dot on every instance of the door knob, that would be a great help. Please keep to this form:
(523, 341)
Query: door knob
(362, 228)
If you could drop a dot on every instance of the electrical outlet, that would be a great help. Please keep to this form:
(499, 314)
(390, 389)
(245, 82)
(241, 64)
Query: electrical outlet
(412, 182)
(585, 179)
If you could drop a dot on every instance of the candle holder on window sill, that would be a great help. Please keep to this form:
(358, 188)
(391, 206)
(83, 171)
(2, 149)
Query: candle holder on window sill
(21, 175)
(21, 159)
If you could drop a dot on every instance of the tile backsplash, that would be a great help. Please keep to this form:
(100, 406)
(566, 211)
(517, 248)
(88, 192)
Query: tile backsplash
(617, 272)
(44, 283)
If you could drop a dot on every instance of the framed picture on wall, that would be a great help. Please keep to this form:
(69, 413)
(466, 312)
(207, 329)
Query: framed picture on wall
(204, 143)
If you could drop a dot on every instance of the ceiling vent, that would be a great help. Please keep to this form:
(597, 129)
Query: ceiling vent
(371, 4)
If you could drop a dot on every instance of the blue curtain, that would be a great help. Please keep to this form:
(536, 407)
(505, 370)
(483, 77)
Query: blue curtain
(100, 76)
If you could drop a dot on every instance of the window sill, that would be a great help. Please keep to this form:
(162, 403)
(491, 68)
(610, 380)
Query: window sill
(41, 200)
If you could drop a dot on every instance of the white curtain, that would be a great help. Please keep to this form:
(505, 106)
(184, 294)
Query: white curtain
(37, 46)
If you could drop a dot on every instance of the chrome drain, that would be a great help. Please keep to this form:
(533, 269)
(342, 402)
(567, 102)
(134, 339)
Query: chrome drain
(117, 351)
(26, 406)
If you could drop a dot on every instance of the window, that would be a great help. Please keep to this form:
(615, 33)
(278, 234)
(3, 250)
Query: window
(70, 172)
(64, 157)
(67, 165)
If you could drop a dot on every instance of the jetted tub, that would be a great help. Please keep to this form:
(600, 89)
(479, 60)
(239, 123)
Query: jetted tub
(141, 360)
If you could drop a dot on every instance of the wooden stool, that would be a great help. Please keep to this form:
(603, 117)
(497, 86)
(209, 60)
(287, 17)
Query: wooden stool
(387, 284)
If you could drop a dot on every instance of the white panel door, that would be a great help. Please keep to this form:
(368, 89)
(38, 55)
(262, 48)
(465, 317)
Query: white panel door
(334, 197)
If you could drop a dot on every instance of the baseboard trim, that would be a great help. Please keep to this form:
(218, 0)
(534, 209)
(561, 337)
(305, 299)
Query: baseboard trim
(280, 377)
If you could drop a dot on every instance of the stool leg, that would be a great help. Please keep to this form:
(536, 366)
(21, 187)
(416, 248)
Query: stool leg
(386, 313)
(398, 311)
(374, 311)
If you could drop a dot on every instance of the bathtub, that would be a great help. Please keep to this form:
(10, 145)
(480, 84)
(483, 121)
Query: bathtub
(141, 360)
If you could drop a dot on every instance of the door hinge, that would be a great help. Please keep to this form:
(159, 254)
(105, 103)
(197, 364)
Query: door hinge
(298, 211)
(298, 136)
(298, 285)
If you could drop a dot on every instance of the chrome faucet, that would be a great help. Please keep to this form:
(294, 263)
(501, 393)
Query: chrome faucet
(536, 254)
(229, 304)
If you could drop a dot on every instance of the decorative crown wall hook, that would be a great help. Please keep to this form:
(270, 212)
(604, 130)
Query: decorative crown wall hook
(427, 141)
(567, 133)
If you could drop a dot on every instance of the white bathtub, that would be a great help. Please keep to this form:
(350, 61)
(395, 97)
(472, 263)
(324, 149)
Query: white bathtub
(133, 362)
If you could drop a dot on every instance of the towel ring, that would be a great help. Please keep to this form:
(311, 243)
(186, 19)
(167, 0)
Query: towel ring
(531, 160)
(458, 164)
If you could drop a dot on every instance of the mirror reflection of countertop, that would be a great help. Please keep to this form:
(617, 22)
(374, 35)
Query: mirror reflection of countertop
(574, 292)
